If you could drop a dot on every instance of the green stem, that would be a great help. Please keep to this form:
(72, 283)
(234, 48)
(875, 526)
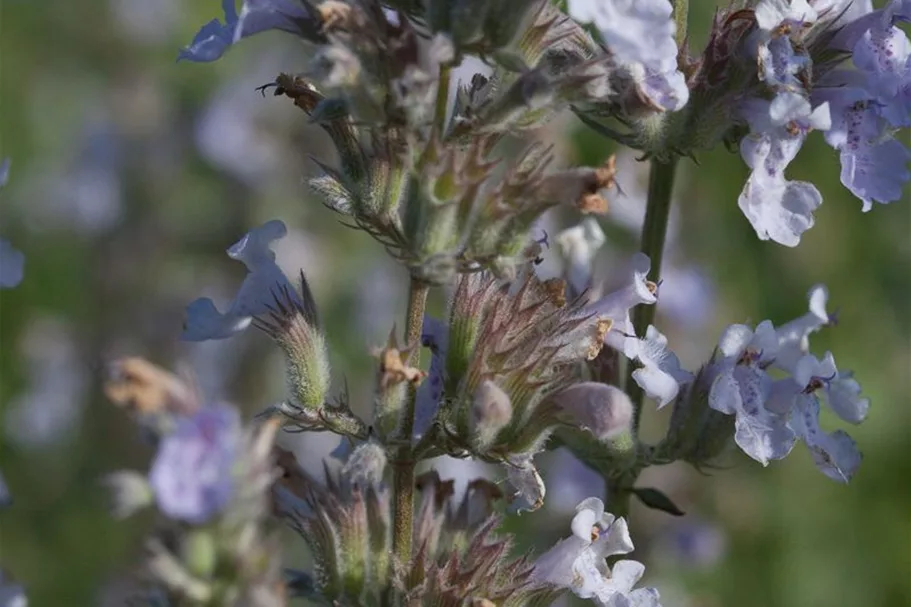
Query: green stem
(442, 102)
(681, 13)
(654, 232)
(403, 469)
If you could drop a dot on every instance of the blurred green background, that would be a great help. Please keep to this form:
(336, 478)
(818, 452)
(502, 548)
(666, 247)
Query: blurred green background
(131, 174)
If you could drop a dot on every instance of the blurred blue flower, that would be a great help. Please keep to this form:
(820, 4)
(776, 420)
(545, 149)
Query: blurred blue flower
(192, 472)
(12, 262)
(255, 16)
(257, 294)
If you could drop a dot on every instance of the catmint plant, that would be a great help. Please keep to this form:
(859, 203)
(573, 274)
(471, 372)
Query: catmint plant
(451, 178)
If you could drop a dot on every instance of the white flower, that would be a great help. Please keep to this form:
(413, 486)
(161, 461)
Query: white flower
(578, 562)
(257, 294)
(742, 388)
(777, 208)
(640, 37)
(772, 13)
(616, 306)
(661, 375)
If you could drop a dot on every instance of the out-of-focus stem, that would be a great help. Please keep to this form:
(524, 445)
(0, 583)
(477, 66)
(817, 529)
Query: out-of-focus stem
(442, 101)
(681, 12)
(403, 467)
(654, 232)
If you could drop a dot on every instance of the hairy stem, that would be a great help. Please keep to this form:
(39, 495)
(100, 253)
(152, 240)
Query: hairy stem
(403, 481)
(654, 231)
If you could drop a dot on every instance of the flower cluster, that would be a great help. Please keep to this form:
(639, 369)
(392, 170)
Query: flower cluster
(447, 176)
(857, 108)
(211, 478)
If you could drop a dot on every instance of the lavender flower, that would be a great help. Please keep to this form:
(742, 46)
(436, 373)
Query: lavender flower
(578, 562)
(781, 59)
(772, 414)
(192, 472)
(742, 388)
(874, 165)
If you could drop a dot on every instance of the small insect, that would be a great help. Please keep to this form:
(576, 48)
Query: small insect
(279, 90)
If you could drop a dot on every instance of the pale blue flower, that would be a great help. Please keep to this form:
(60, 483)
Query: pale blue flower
(191, 476)
(814, 377)
(742, 388)
(579, 564)
(616, 306)
(255, 16)
(883, 53)
(640, 37)
(661, 375)
(835, 454)
(777, 208)
(793, 336)
(257, 294)
(780, 59)
(874, 164)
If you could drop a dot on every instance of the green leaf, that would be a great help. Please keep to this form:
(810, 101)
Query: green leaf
(657, 500)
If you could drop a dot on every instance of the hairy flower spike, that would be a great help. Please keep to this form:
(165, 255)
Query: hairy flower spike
(292, 323)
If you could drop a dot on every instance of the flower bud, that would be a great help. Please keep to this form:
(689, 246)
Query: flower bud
(164, 567)
(292, 323)
(490, 412)
(603, 410)
(130, 492)
(365, 465)
(199, 553)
